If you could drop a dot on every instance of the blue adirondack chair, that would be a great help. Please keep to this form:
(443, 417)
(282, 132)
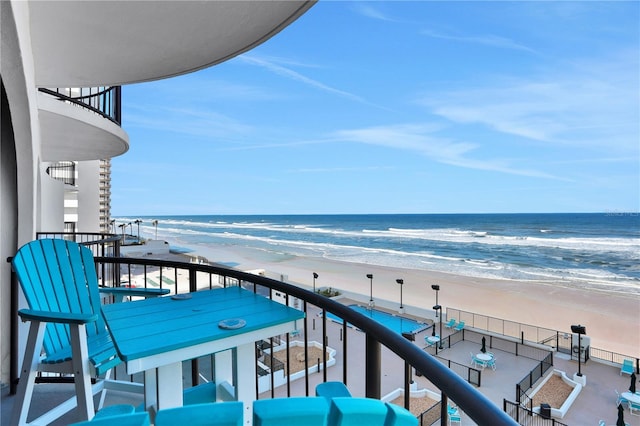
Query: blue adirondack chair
(627, 367)
(60, 284)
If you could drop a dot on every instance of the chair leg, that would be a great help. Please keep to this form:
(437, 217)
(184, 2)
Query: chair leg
(81, 368)
(24, 392)
(103, 392)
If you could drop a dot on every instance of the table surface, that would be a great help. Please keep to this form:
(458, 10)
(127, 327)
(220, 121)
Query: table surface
(484, 357)
(433, 338)
(631, 397)
(156, 326)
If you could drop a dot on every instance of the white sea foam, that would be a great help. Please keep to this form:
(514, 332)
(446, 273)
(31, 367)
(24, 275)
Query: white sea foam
(539, 258)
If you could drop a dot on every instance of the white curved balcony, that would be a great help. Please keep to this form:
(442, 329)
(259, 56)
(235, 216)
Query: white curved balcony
(107, 43)
(72, 133)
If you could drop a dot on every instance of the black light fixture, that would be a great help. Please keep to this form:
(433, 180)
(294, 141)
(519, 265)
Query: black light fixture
(401, 282)
(370, 276)
(579, 330)
(436, 287)
(314, 281)
(439, 308)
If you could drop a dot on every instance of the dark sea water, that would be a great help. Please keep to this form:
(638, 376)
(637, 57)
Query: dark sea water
(599, 250)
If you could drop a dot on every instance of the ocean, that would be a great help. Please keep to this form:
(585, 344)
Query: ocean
(597, 250)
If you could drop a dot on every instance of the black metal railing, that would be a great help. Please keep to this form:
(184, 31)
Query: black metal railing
(64, 171)
(470, 374)
(504, 344)
(101, 244)
(473, 375)
(429, 416)
(105, 101)
(526, 416)
(532, 377)
(555, 339)
(525, 332)
(182, 276)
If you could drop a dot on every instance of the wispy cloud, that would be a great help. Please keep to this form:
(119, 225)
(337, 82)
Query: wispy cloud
(486, 40)
(296, 76)
(341, 169)
(591, 104)
(369, 11)
(194, 122)
(422, 140)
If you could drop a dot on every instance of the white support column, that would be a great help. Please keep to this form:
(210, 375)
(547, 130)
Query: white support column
(224, 367)
(150, 391)
(170, 386)
(246, 374)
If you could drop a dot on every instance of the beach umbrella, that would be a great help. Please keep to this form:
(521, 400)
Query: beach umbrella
(620, 421)
(483, 349)
(632, 387)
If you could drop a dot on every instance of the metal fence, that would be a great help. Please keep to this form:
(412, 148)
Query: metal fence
(429, 416)
(511, 346)
(524, 332)
(534, 375)
(470, 374)
(559, 340)
(526, 417)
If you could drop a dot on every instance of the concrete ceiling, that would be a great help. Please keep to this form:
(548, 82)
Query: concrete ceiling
(101, 43)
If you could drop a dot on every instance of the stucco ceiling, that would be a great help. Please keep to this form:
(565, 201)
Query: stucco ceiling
(101, 43)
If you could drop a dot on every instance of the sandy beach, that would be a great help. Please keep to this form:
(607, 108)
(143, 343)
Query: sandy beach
(611, 320)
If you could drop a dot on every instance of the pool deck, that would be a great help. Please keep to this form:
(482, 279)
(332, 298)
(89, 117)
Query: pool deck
(595, 402)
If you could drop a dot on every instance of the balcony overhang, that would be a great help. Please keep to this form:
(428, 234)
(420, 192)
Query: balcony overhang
(71, 133)
(103, 43)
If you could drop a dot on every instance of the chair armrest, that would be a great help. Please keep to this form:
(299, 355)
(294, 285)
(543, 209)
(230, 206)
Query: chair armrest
(58, 317)
(127, 291)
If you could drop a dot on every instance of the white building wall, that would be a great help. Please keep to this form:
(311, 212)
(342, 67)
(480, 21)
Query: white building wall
(19, 201)
(52, 202)
(88, 184)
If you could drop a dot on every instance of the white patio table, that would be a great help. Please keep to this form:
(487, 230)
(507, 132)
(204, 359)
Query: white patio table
(155, 335)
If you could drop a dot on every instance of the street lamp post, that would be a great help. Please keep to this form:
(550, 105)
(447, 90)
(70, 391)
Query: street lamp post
(314, 281)
(401, 282)
(439, 308)
(436, 287)
(138, 222)
(579, 330)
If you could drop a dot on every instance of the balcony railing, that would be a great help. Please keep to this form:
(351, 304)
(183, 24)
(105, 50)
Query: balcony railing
(105, 101)
(183, 276)
(64, 171)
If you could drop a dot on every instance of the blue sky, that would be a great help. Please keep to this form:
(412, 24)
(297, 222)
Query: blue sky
(399, 107)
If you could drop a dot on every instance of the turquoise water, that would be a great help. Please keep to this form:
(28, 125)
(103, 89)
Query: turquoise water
(590, 250)
(396, 323)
